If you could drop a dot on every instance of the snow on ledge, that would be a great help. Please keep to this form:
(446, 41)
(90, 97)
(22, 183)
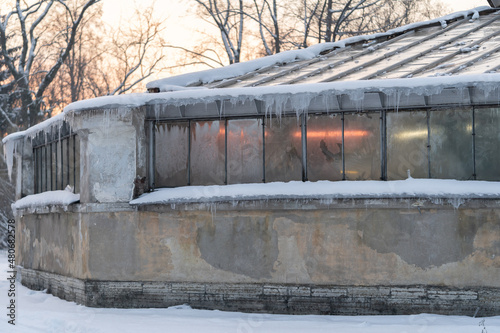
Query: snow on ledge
(63, 198)
(419, 188)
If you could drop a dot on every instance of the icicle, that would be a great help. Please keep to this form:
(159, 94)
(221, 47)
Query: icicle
(397, 97)
(213, 211)
(157, 109)
(9, 149)
(436, 201)
(456, 202)
(301, 102)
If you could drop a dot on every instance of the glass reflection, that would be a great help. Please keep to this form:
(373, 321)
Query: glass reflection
(207, 153)
(451, 144)
(324, 147)
(244, 151)
(283, 149)
(362, 146)
(407, 137)
(487, 123)
(171, 154)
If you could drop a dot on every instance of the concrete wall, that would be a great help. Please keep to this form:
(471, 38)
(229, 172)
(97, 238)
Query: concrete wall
(110, 154)
(354, 242)
(53, 242)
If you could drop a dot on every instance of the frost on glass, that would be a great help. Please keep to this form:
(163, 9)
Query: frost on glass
(57, 164)
(74, 158)
(362, 146)
(65, 164)
(487, 124)
(283, 149)
(207, 153)
(40, 169)
(451, 144)
(53, 165)
(407, 137)
(324, 147)
(171, 154)
(244, 151)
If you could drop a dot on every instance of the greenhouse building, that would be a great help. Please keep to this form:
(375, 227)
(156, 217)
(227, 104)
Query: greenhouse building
(355, 177)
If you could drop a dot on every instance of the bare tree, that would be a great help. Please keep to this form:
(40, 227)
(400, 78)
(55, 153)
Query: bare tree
(338, 19)
(136, 51)
(273, 28)
(7, 117)
(104, 60)
(278, 25)
(229, 18)
(25, 19)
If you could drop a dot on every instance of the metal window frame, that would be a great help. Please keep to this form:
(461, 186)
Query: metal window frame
(303, 124)
(44, 177)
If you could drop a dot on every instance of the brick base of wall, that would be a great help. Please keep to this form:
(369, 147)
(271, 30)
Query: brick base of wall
(270, 298)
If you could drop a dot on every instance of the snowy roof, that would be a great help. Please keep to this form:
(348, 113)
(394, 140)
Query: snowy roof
(465, 42)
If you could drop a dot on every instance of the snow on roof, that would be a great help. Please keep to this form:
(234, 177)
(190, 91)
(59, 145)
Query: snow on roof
(269, 62)
(302, 94)
(413, 188)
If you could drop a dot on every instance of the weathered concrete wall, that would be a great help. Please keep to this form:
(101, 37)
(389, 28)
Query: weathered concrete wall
(439, 257)
(108, 179)
(54, 242)
(343, 242)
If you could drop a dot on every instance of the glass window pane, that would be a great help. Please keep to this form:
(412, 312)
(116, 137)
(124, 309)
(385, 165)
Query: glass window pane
(451, 144)
(171, 154)
(36, 158)
(362, 146)
(52, 151)
(207, 153)
(77, 163)
(43, 165)
(407, 145)
(324, 147)
(71, 162)
(65, 160)
(283, 149)
(244, 151)
(487, 123)
(58, 165)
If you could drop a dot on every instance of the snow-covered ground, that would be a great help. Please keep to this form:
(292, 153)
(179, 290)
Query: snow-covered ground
(37, 311)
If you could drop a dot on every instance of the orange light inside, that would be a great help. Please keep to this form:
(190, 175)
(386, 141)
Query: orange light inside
(333, 134)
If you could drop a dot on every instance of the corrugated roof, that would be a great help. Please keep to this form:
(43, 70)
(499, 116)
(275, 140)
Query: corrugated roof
(454, 45)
